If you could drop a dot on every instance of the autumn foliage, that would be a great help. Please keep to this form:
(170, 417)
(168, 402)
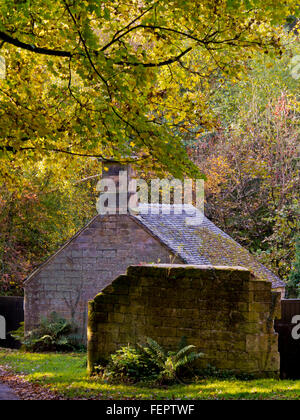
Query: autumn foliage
(251, 164)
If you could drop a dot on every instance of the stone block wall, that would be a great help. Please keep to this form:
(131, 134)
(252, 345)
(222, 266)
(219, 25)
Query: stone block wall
(226, 312)
(86, 265)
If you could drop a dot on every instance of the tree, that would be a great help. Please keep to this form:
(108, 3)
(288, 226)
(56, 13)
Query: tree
(115, 79)
(251, 160)
(39, 211)
(294, 280)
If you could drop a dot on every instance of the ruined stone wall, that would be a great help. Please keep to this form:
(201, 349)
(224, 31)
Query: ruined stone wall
(226, 312)
(91, 261)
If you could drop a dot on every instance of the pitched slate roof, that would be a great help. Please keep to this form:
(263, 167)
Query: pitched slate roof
(200, 243)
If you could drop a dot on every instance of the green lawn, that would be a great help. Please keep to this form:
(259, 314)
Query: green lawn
(66, 374)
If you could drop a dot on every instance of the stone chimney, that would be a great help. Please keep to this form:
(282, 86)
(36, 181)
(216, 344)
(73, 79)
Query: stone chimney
(117, 188)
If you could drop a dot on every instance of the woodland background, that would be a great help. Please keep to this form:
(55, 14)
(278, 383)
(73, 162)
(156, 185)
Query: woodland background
(244, 138)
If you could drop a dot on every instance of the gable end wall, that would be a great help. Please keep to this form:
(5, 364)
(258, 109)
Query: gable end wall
(90, 262)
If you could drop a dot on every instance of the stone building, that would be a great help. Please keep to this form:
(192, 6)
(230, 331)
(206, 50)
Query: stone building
(104, 249)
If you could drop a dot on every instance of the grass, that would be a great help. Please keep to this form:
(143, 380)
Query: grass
(66, 374)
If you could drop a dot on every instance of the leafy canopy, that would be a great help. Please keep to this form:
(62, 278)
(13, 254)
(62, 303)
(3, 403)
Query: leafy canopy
(251, 160)
(114, 79)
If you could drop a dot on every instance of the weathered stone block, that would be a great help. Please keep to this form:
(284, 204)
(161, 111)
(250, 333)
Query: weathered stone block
(116, 317)
(275, 310)
(263, 296)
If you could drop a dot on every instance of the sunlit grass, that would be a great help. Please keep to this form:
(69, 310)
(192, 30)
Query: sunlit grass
(66, 374)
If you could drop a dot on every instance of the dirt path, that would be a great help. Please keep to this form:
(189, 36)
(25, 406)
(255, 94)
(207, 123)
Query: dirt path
(16, 387)
(7, 393)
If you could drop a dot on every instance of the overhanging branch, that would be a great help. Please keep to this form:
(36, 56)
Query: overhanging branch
(101, 158)
(159, 64)
(32, 48)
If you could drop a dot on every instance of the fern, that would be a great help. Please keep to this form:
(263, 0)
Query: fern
(149, 362)
(157, 351)
(19, 333)
(53, 334)
(182, 343)
(183, 352)
(169, 363)
(188, 359)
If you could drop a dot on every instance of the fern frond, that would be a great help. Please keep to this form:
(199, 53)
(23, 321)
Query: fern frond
(62, 341)
(158, 352)
(45, 338)
(145, 350)
(188, 359)
(182, 343)
(184, 351)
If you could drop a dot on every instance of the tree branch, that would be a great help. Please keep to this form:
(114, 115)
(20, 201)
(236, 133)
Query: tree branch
(101, 158)
(86, 49)
(29, 47)
(208, 39)
(160, 64)
(133, 21)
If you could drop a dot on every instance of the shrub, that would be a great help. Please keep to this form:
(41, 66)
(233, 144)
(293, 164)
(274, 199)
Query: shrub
(149, 363)
(294, 279)
(54, 334)
(129, 365)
